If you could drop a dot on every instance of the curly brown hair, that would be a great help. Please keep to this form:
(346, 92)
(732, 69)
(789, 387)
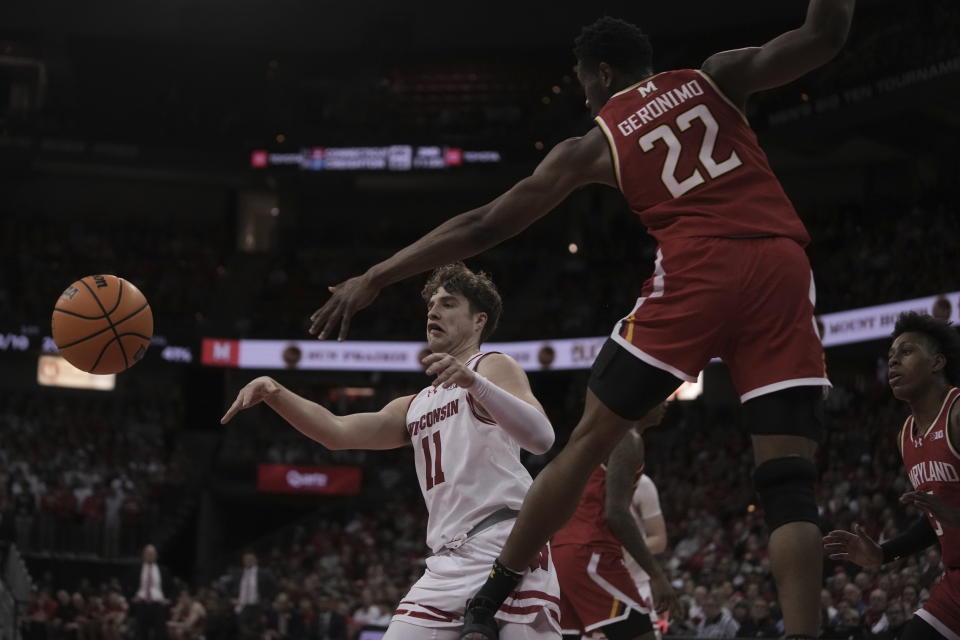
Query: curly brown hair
(476, 287)
(941, 335)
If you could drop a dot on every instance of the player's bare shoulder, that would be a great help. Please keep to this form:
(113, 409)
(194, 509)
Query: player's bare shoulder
(494, 363)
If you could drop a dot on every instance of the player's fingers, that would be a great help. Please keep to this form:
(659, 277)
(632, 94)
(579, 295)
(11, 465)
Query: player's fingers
(345, 324)
(329, 321)
(839, 536)
(442, 378)
(435, 367)
(430, 359)
(318, 318)
(231, 411)
(839, 556)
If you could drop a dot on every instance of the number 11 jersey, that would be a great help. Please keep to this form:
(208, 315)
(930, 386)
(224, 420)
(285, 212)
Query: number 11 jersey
(689, 164)
(468, 467)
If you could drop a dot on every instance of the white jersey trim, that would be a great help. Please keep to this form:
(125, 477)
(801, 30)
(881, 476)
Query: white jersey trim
(785, 384)
(629, 603)
(941, 628)
(649, 359)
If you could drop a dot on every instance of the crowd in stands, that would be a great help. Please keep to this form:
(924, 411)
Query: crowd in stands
(84, 474)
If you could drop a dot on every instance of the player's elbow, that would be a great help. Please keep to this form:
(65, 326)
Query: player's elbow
(657, 544)
(540, 443)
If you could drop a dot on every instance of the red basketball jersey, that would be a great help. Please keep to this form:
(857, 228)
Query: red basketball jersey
(689, 164)
(588, 526)
(932, 462)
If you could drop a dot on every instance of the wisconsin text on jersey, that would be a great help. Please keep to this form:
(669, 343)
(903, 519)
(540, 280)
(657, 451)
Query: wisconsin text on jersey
(430, 418)
(659, 105)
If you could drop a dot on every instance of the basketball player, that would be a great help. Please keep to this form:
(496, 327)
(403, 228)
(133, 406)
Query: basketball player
(645, 509)
(924, 372)
(731, 279)
(466, 430)
(597, 592)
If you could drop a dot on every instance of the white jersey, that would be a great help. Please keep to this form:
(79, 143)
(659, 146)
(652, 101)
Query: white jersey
(645, 504)
(467, 465)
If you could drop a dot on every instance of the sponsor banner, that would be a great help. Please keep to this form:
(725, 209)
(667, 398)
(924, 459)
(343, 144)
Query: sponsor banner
(540, 355)
(285, 478)
(338, 356)
(29, 338)
(398, 157)
(844, 327)
(54, 371)
(218, 352)
(874, 323)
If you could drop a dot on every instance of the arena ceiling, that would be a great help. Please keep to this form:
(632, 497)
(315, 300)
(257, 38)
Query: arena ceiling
(377, 25)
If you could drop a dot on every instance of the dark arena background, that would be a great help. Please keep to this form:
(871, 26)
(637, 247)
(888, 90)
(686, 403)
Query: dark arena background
(232, 160)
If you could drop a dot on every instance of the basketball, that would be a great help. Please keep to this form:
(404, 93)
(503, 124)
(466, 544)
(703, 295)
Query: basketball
(102, 324)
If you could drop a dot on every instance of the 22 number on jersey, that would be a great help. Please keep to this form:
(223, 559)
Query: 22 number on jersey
(714, 168)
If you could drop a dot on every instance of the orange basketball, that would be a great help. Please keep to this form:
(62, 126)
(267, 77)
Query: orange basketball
(102, 324)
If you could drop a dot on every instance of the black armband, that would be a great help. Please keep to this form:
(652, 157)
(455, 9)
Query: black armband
(917, 537)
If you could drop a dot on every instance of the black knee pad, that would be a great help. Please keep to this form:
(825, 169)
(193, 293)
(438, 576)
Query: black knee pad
(797, 411)
(786, 488)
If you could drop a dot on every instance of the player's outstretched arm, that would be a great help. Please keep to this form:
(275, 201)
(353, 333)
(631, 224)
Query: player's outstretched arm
(741, 72)
(384, 429)
(622, 467)
(569, 165)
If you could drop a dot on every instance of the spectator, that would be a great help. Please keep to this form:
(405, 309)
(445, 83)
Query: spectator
(331, 625)
(282, 621)
(114, 616)
(187, 618)
(875, 615)
(760, 623)
(717, 622)
(150, 584)
(251, 589)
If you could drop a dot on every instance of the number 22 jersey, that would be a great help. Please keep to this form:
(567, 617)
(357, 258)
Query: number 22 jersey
(689, 164)
(468, 467)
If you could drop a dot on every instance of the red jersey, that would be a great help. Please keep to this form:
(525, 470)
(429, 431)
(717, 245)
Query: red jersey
(689, 164)
(932, 462)
(588, 526)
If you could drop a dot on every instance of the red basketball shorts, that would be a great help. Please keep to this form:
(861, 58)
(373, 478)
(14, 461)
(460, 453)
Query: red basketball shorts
(596, 589)
(941, 611)
(747, 301)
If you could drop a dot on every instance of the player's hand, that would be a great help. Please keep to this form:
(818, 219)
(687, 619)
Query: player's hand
(256, 391)
(856, 547)
(449, 371)
(933, 505)
(664, 597)
(348, 297)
